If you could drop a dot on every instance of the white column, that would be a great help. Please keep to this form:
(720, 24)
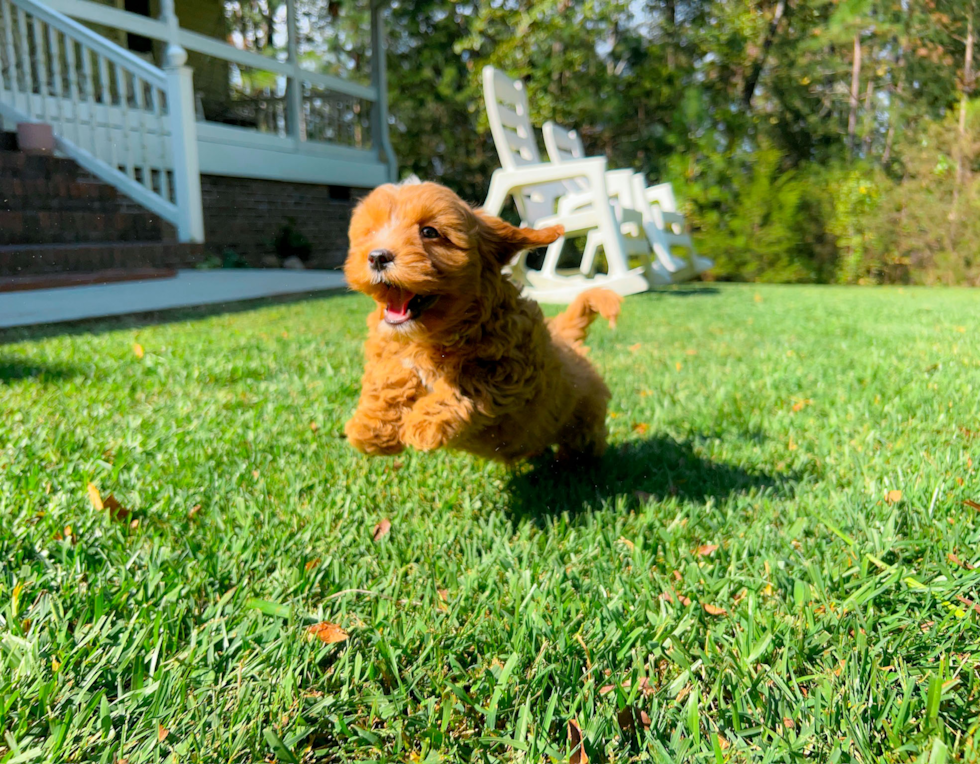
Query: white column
(183, 131)
(294, 86)
(379, 81)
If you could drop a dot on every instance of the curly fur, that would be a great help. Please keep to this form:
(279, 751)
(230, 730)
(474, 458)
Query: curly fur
(480, 369)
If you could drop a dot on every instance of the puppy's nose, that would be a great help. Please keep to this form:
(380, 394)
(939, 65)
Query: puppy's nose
(379, 259)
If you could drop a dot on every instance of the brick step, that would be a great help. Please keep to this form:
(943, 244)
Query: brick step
(21, 166)
(22, 260)
(53, 195)
(77, 227)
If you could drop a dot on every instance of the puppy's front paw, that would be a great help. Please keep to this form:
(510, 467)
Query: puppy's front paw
(424, 433)
(374, 437)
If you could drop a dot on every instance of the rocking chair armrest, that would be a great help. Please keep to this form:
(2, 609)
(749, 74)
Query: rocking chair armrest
(547, 172)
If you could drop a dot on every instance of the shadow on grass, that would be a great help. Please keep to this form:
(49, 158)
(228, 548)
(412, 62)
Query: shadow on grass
(657, 468)
(174, 315)
(17, 369)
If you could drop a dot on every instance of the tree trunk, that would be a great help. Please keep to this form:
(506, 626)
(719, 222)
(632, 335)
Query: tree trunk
(893, 105)
(760, 62)
(852, 119)
(869, 116)
(964, 98)
(670, 11)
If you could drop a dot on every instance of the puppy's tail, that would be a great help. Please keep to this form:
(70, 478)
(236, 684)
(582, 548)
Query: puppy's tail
(573, 324)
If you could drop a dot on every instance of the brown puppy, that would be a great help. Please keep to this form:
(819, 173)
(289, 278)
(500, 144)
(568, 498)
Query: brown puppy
(455, 356)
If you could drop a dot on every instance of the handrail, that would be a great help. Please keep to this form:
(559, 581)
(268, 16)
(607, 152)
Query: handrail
(199, 43)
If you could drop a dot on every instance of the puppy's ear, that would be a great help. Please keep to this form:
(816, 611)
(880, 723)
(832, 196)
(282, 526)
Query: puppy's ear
(500, 241)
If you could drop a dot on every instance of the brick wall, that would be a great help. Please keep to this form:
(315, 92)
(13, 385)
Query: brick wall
(245, 214)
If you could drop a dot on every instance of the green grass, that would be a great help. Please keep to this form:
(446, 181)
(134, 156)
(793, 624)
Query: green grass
(770, 422)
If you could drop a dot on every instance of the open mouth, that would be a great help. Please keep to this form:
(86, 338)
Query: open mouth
(403, 306)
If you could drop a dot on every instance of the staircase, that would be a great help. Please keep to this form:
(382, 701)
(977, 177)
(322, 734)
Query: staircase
(57, 218)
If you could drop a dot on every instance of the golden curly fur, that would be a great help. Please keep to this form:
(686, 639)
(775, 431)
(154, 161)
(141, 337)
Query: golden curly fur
(455, 356)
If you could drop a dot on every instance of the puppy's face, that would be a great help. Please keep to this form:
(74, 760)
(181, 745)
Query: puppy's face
(421, 252)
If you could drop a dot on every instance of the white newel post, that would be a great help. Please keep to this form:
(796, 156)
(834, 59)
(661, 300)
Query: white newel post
(379, 81)
(183, 132)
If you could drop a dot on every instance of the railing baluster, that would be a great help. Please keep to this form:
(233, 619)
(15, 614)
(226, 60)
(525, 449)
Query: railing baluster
(71, 51)
(144, 160)
(156, 94)
(90, 96)
(25, 63)
(42, 67)
(10, 74)
(105, 91)
(122, 88)
(57, 81)
(3, 53)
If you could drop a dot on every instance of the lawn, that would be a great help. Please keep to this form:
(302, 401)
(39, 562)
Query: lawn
(774, 562)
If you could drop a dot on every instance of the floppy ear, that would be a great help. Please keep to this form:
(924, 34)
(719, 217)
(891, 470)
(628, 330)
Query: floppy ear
(500, 241)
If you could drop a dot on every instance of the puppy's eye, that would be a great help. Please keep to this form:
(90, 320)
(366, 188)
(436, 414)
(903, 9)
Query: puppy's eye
(428, 232)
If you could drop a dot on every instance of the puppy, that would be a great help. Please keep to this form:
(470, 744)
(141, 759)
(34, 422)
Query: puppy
(455, 356)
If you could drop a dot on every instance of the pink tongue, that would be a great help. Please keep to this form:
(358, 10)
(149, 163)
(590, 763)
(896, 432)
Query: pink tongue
(398, 300)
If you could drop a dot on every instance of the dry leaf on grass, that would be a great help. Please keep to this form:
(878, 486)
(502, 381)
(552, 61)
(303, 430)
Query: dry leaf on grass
(757, 297)
(679, 365)
(162, 733)
(968, 602)
(706, 549)
(312, 564)
(644, 684)
(314, 426)
(893, 496)
(578, 755)
(443, 594)
(641, 428)
(137, 350)
(723, 742)
(628, 718)
(634, 348)
(972, 504)
(801, 404)
(194, 512)
(328, 633)
(788, 723)
(957, 561)
(95, 497)
(714, 609)
(117, 511)
(382, 529)
(691, 351)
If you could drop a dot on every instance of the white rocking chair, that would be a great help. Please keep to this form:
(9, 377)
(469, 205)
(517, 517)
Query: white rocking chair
(665, 227)
(543, 200)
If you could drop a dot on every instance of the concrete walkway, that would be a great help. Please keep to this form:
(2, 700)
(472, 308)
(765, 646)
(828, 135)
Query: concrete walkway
(190, 288)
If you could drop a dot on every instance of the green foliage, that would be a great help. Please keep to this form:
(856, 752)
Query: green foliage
(757, 475)
(755, 218)
(291, 242)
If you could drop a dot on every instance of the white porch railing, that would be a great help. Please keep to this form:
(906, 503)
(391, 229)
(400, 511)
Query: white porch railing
(302, 114)
(136, 126)
(125, 121)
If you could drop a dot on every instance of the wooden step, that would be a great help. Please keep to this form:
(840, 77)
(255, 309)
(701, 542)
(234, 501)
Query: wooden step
(36, 259)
